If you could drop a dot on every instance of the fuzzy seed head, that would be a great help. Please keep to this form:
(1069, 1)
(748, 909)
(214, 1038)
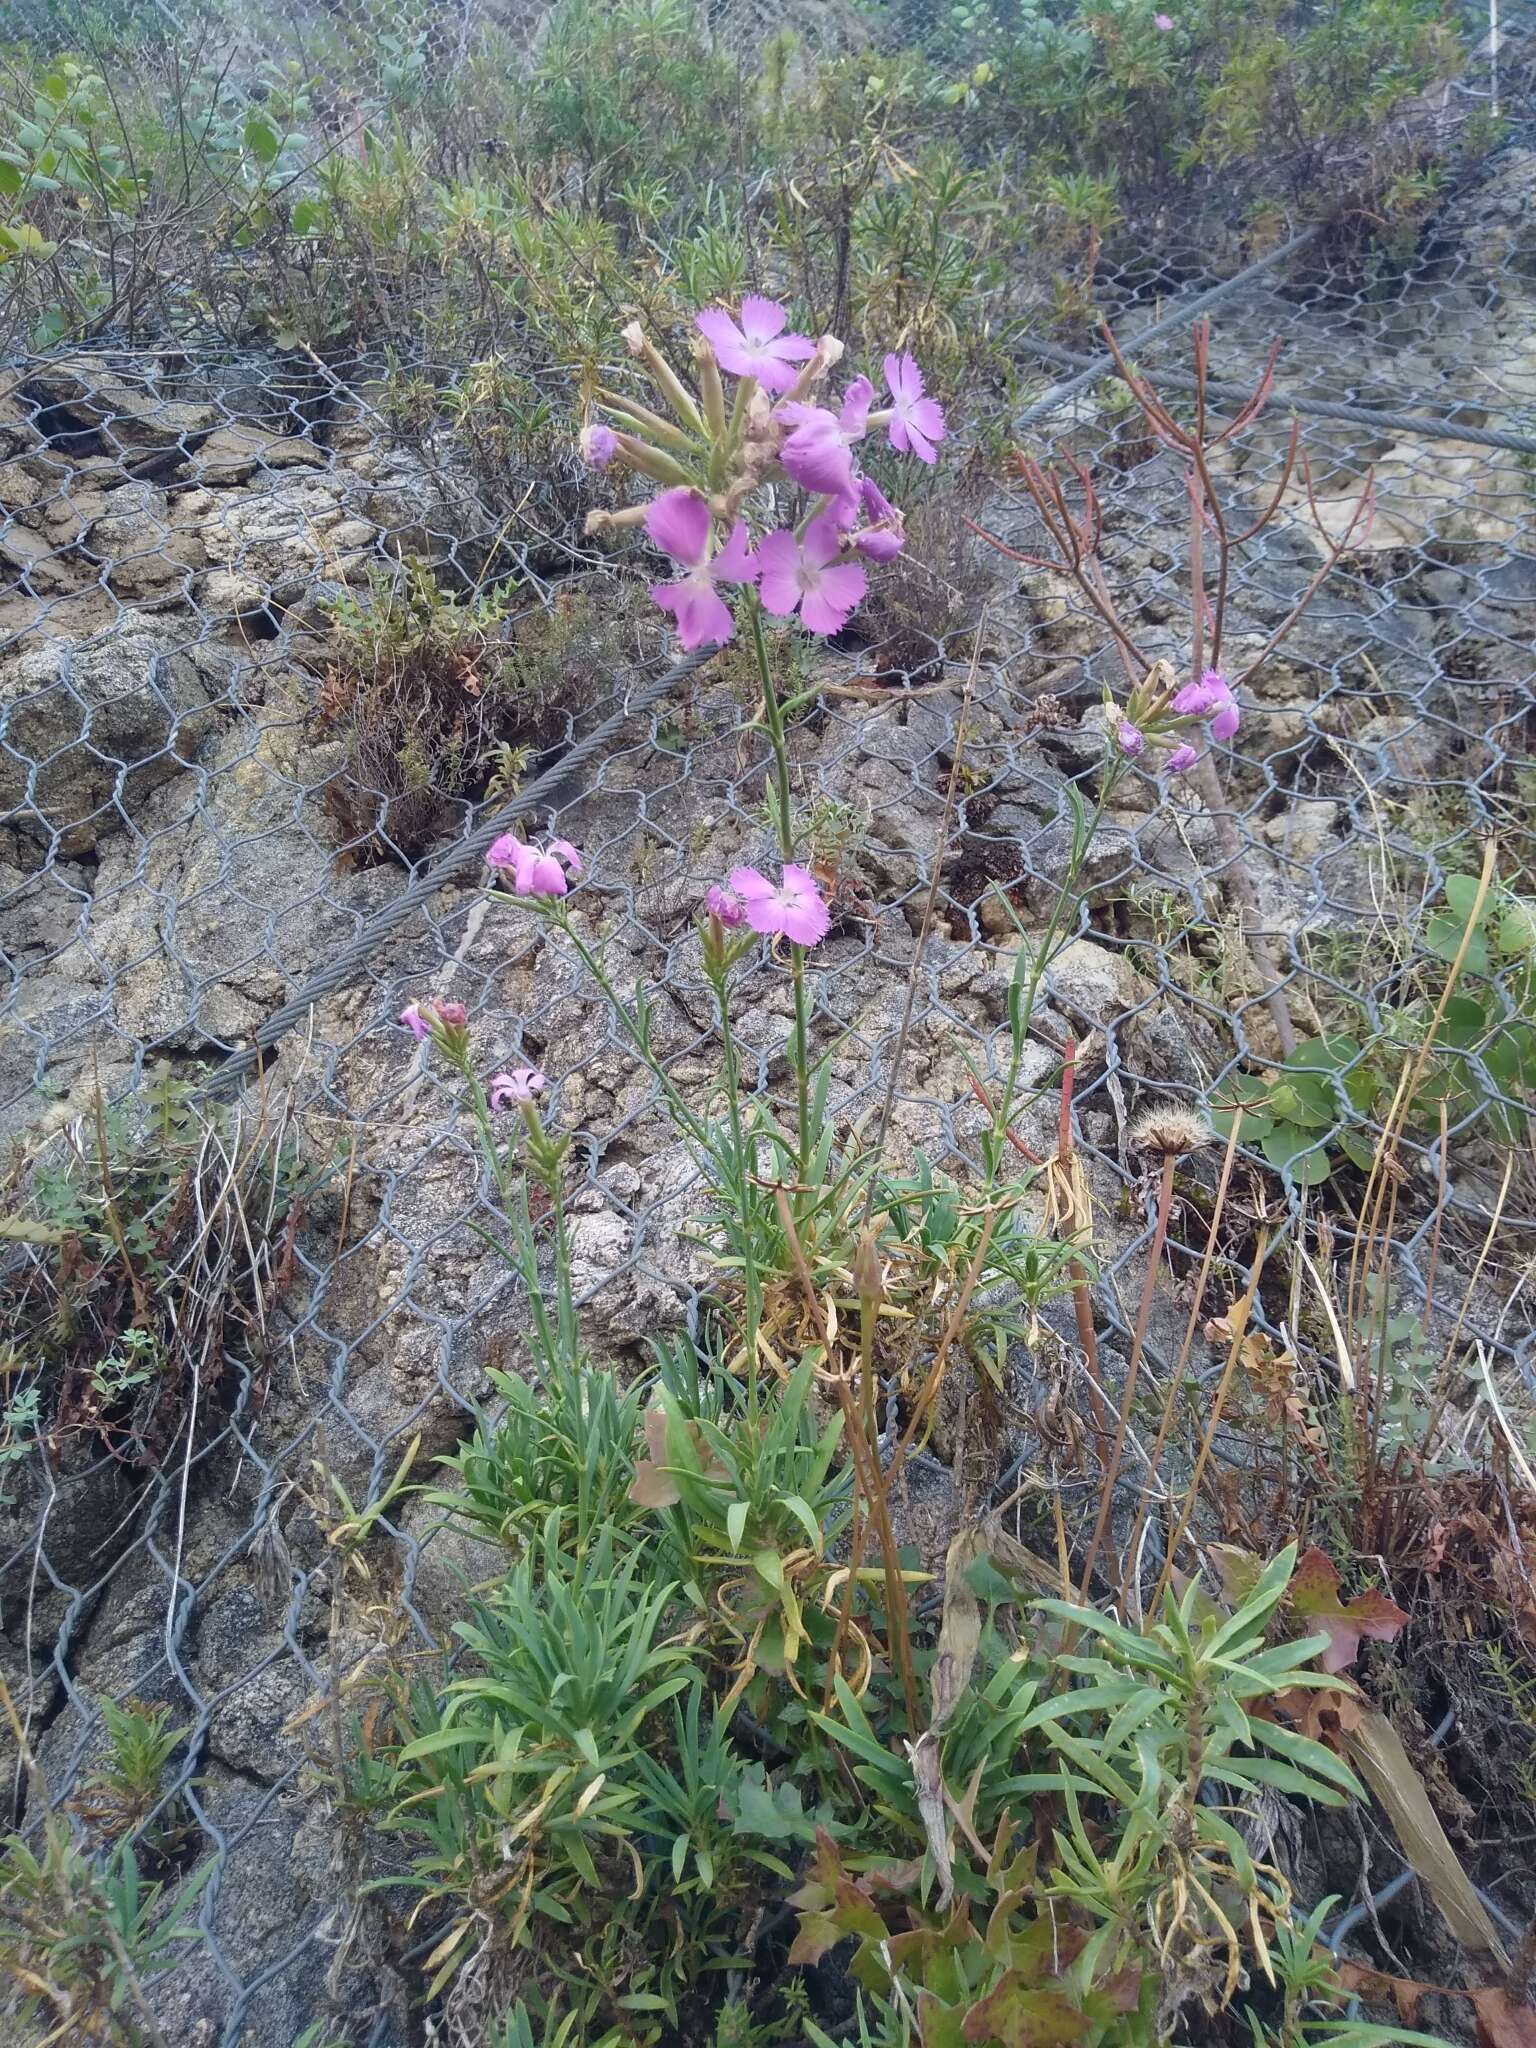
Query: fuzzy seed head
(1170, 1128)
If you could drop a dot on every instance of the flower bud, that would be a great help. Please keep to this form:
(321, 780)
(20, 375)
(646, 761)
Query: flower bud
(828, 354)
(679, 397)
(868, 1270)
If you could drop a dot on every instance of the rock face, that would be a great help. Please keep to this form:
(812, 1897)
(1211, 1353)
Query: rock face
(91, 728)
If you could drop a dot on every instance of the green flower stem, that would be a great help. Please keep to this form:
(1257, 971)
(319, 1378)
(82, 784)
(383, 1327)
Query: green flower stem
(740, 1194)
(1022, 1002)
(558, 1343)
(638, 1034)
(773, 720)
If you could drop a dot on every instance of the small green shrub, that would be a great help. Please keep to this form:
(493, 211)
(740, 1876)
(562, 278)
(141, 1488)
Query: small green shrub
(120, 1793)
(1478, 1072)
(80, 1938)
(430, 690)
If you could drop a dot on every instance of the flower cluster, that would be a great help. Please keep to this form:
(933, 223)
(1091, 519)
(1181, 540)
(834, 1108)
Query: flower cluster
(712, 459)
(1158, 713)
(446, 1024)
(532, 870)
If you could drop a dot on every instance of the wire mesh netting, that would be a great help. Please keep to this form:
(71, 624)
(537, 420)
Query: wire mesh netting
(215, 905)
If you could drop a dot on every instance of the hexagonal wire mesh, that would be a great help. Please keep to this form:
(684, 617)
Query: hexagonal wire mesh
(180, 887)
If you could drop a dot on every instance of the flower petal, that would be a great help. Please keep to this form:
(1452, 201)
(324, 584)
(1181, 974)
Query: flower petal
(735, 562)
(838, 590)
(878, 544)
(750, 884)
(700, 613)
(761, 319)
(678, 522)
(599, 444)
(805, 921)
(793, 348)
(779, 580)
(854, 416)
(719, 329)
(927, 418)
(816, 455)
(823, 541)
(546, 877)
(904, 378)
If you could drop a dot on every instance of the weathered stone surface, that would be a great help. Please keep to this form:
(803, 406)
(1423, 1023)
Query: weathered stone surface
(89, 729)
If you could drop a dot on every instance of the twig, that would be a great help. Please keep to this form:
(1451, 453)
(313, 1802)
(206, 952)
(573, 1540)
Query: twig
(1238, 1323)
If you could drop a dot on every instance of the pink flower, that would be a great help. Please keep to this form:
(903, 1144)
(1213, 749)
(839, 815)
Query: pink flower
(1162, 23)
(758, 347)
(1227, 718)
(885, 536)
(521, 1085)
(448, 1023)
(728, 908)
(1198, 700)
(818, 453)
(679, 523)
(534, 873)
(1181, 760)
(1130, 738)
(599, 445)
(794, 908)
(916, 422)
(807, 576)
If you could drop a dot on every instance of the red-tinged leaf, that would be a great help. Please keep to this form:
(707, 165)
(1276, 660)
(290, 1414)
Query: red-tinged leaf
(829, 1865)
(998, 1939)
(1045, 1948)
(1379, 1985)
(1314, 1599)
(924, 1942)
(654, 1426)
(1373, 1614)
(909, 1952)
(1343, 1644)
(895, 1877)
(1323, 1713)
(1015, 2015)
(812, 1897)
(1500, 2022)
(1314, 1588)
(1122, 1991)
(709, 1465)
(819, 1934)
(856, 1915)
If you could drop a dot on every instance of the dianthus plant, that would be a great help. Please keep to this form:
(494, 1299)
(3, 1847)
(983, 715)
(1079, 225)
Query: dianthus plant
(761, 507)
